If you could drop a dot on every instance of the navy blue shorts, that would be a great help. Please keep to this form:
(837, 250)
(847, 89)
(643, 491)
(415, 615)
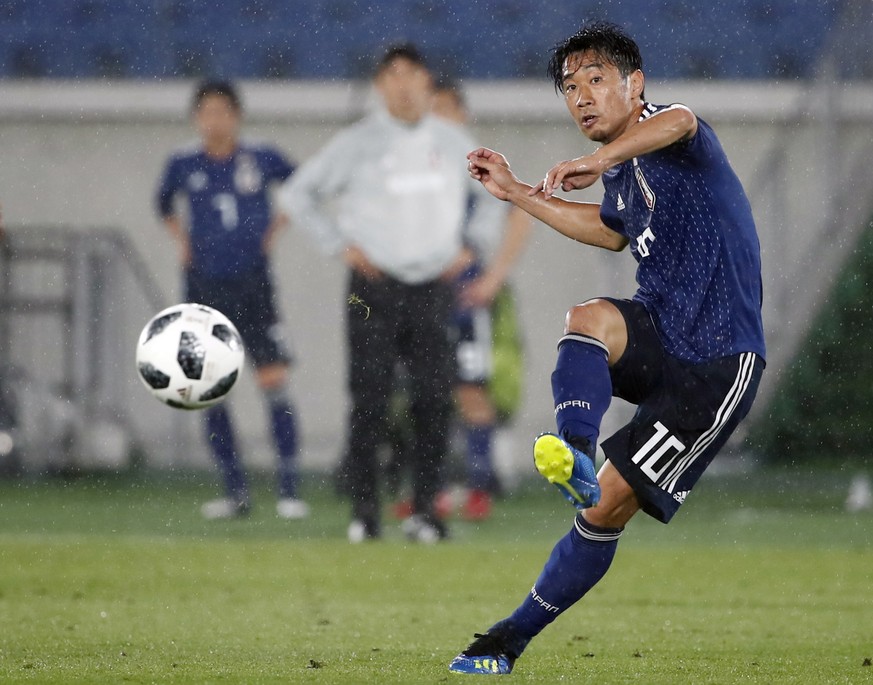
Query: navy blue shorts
(470, 332)
(685, 413)
(249, 303)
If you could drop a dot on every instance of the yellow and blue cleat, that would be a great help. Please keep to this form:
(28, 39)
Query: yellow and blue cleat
(568, 469)
(488, 654)
(484, 665)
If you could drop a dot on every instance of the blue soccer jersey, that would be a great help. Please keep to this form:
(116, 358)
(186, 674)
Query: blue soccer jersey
(229, 206)
(691, 231)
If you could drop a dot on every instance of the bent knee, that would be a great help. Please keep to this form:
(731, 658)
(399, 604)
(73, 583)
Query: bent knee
(272, 376)
(474, 405)
(590, 318)
(602, 320)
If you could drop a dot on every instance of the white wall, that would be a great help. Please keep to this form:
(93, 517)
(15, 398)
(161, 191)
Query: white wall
(89, 154)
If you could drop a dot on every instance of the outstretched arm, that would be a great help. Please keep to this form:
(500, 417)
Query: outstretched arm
(577, 220)
(658, 131)
(305, 197)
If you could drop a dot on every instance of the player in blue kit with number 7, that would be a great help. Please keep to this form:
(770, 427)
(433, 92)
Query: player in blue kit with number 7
(687, 349)
(224, 250)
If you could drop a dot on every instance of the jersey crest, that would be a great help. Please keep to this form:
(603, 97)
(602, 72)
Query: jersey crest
(198, 181)
(247, 178)
(647, 192)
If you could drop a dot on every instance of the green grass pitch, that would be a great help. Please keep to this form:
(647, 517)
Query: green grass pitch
(117, 580)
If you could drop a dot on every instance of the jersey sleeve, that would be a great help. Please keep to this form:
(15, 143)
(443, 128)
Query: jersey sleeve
(705, 146)
(702, 148)
(278, 167)
(322, 177)
(171, 182)
(609, 214)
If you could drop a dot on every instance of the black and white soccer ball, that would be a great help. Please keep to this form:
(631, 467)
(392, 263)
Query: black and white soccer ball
(189, 356)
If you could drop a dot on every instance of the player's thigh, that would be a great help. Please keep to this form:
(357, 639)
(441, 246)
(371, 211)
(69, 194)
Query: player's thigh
(273, 375)
(216, 293)
(259, 324)
(680, 427)
(640, 370)
(473, 343)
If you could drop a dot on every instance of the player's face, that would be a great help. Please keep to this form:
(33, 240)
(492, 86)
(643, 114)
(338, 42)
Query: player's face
(406, 88)
(217, 120)
(602, 102)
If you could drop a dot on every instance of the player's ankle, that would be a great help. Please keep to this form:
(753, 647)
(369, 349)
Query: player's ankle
(580, 443)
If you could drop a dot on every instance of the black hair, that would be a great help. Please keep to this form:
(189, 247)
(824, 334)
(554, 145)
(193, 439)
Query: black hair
(214, 87)
(603, 38)
(407, 51)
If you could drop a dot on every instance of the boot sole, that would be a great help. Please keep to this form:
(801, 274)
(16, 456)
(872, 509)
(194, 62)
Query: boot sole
(555, 463)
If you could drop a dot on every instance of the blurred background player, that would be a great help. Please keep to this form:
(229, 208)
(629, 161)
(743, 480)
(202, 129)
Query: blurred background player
(224, 251)
(476, 289)
(390, 195)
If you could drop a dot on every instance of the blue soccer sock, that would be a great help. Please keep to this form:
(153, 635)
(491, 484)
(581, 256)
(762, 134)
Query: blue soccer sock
(284, 426)
(219, 435)
(577, 563)
(480, 471)
(582, 388)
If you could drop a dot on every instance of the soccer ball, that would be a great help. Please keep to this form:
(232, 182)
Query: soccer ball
(189, 356)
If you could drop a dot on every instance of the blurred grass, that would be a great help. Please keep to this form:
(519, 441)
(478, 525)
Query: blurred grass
(760, 578)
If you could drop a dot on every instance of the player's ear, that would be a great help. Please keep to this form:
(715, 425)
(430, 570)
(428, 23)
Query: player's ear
(637, 84)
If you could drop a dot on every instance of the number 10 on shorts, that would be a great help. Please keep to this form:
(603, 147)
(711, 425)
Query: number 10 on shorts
(659, 453)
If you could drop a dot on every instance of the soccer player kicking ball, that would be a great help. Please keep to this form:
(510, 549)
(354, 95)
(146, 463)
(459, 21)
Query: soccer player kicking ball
(687, 349)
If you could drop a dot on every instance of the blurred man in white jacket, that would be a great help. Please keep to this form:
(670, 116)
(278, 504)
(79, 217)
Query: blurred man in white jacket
(390, 196)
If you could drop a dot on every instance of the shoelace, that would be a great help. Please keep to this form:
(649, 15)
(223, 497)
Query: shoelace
(486, 644)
